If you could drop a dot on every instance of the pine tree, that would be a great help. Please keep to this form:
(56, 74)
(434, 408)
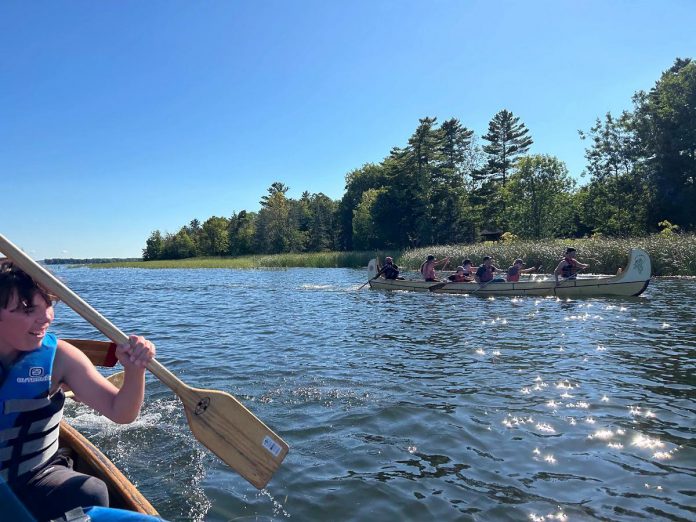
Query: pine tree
(508, 139)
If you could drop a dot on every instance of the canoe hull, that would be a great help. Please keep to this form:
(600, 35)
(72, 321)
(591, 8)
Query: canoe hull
(631, 282)
(88, 459)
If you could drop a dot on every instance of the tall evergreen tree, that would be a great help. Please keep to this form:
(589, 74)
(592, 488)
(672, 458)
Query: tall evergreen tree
(421, 156)
(507, 138)
(273, 231)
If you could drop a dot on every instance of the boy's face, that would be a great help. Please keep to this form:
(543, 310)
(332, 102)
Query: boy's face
(23, 326)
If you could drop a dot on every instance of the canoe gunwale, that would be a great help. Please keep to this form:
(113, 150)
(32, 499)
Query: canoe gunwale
(122, 493)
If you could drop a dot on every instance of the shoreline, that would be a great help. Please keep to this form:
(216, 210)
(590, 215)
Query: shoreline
(671, 255)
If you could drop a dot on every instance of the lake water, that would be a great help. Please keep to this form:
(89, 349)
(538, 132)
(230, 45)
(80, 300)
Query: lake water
(404, 406)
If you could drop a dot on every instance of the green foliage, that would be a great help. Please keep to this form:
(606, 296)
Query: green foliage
(179, 246)
(154, 246)
(241, 232)
(442, 188)
(538, 198)
(214, 236)
(665, 127)
(365, 230)
(617, 201)
(667, 228)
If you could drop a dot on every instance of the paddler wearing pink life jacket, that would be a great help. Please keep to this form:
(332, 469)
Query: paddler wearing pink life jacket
(514, 271)
(427, 268)
(569, 267)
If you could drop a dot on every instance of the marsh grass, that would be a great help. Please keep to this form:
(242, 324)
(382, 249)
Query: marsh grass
(671, 255)
(354, 259)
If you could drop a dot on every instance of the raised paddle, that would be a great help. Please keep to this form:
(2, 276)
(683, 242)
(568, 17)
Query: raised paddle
(217, 420)
(379, 272)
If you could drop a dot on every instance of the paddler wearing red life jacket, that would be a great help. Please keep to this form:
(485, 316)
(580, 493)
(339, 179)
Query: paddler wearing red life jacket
(569, 267)
(514, 271)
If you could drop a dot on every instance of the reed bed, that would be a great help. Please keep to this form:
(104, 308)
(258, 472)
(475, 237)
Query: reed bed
(671, 255)
(353, 259)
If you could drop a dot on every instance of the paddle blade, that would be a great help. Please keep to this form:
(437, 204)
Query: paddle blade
(233, 433)
(117, 379)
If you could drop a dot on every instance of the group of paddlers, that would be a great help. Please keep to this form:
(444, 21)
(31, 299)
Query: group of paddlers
(487, 272)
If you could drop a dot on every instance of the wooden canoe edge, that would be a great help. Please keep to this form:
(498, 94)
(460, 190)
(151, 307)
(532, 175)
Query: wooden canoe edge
(121, 490)
(101, 353)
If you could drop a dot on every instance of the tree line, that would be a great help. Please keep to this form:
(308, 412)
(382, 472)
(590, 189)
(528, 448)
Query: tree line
(447, 185)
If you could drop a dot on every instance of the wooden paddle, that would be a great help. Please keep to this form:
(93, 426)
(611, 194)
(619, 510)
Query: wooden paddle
(362, 285)
(216, 419)
(570, 278)
(482, 286)
(379, 272)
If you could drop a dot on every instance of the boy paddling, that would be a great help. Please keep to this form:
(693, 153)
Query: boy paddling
(34, 365)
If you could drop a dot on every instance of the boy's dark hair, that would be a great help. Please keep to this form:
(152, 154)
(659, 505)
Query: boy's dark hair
(570, 249)
(14, 280)
(466, 261)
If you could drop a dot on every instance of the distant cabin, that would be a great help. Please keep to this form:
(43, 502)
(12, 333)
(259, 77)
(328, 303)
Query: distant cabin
(491, 235)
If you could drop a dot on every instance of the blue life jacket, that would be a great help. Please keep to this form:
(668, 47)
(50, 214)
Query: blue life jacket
(105, 514)
(29, 418)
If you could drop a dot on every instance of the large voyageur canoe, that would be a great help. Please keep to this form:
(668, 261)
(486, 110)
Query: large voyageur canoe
(632, 281)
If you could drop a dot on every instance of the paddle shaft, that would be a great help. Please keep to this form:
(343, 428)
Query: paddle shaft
(216, 419)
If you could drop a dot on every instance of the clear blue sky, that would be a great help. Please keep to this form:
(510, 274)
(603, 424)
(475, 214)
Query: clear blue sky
(121, 117)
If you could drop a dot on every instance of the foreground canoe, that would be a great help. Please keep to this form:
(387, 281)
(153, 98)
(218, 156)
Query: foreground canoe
(88, 459)
(632, 281)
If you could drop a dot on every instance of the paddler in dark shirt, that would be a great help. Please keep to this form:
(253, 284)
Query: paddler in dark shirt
(484, 274)
(390, 270)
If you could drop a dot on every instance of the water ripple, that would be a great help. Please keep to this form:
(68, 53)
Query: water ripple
(401, 406)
